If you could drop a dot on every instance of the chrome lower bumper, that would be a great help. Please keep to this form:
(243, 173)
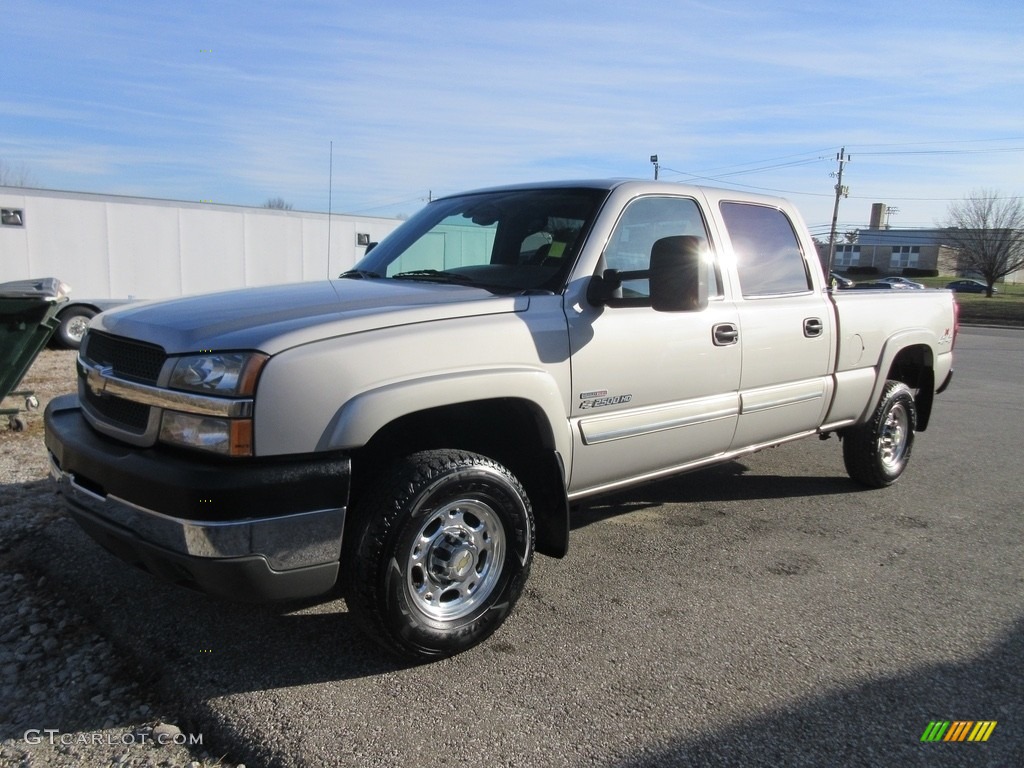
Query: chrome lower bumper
(287, 542)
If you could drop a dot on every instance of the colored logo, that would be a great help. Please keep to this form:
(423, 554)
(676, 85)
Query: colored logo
(958, 730)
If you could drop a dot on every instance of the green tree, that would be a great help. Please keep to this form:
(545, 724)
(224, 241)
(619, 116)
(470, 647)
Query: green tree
(278, 203)
(985, 233)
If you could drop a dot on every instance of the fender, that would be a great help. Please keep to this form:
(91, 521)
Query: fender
(363, 415)
(893, 346)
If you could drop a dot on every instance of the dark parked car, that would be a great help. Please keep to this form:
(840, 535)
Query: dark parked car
(969, 286)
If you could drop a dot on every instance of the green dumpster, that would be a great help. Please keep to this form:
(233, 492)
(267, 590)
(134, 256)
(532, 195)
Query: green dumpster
(28, 310)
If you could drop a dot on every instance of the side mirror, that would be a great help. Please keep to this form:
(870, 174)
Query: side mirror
(679, 274)
(602, 288)
(677, 277)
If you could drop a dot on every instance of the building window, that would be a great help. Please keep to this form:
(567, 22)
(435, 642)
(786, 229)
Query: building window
(12, 217)
(904, 256)
(847, 256)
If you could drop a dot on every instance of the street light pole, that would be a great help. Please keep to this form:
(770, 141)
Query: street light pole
(654, 160)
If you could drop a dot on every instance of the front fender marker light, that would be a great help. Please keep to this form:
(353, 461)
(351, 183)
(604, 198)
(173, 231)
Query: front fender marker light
(241, 437)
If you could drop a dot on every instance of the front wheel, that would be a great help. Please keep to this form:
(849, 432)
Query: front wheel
(876, 453)
(437, 554)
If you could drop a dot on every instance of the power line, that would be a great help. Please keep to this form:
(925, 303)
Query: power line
(941, 152)
(719, 176)
(721, 173)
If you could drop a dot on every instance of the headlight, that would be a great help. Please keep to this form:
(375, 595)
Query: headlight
(232, 374)
(228, 437)
(224, 374)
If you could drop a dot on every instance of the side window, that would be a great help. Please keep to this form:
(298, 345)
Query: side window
(644, 222)
(768, 256)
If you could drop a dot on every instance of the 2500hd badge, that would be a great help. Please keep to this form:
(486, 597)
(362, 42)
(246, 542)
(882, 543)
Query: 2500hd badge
(601, 402)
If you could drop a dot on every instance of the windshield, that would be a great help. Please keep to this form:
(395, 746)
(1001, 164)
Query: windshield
(506, 241)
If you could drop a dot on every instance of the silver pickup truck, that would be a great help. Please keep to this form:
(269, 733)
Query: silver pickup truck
(412, 432)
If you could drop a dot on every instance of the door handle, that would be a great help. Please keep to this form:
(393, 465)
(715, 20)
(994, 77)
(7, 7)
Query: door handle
(725, 334)
(813, 327)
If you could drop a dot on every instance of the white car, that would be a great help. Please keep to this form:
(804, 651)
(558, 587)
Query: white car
(900, 282)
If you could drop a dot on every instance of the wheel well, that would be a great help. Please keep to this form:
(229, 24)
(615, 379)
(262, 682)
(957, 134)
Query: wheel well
(509, 430)
(77, 305)
(915, 367)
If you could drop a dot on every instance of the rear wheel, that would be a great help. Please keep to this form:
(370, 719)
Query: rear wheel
(876, 453)
(438, 553)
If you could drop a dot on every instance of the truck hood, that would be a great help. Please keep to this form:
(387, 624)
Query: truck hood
(279, 317)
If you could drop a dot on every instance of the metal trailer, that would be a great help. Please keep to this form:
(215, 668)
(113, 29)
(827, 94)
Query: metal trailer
(113, 249)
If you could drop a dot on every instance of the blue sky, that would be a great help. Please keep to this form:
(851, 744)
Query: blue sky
(237, 102)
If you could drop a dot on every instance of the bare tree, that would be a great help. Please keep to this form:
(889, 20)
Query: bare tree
(986, 235)
(11, 176)
(278, 203)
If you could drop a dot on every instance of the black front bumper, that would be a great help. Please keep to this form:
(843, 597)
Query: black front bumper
(252, 530)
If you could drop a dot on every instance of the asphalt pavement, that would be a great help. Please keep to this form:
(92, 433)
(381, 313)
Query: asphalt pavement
(765, 612)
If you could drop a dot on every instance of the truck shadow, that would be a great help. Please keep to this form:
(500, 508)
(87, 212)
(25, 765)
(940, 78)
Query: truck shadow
(722, 483)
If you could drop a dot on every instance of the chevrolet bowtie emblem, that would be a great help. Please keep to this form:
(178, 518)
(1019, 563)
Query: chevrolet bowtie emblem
(96, 379)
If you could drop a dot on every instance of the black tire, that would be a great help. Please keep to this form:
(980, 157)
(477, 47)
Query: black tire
(876, 453)
(437, 554)
(73, 323)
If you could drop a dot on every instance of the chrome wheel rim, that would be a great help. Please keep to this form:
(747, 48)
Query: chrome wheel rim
(455, 559)
(893, 438)
(76, 328)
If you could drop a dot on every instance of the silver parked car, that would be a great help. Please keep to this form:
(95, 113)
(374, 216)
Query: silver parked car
(901, 282)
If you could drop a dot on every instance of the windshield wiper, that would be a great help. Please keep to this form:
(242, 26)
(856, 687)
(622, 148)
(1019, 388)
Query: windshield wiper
(359, 274)
(435, 276)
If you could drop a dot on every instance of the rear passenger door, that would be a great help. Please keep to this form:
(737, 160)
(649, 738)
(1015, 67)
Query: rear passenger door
(786, 327)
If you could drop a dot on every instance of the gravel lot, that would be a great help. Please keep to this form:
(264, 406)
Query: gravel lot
(68, 696)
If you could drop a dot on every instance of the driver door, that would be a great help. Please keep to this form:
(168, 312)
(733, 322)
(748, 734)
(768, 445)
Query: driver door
(652, 391)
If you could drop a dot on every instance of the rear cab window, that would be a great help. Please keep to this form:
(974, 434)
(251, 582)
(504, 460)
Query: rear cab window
(769, 259)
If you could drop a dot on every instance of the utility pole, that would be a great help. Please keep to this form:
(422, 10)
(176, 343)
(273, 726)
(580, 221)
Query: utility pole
(654, 160)
(842, 158)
